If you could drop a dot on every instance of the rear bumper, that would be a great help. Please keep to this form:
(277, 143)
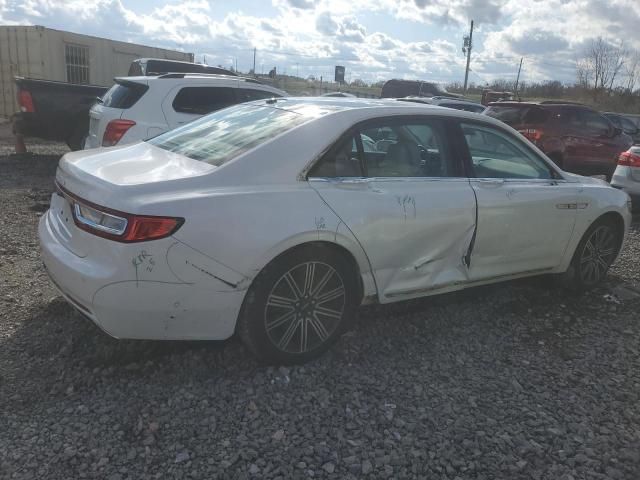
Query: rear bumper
(126, 307)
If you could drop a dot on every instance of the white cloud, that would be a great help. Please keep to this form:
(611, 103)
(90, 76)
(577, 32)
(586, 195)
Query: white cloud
(317, 34)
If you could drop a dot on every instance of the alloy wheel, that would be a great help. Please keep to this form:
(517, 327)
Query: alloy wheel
(598, 254)
(305, 307)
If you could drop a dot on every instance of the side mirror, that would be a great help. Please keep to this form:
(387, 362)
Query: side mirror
(616, 131)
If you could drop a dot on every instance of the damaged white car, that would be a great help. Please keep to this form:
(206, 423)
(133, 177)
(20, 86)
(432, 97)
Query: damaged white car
(276, 219)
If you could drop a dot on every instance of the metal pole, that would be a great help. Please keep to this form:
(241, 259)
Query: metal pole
(254, 61)
(515, 93)
(466, 72)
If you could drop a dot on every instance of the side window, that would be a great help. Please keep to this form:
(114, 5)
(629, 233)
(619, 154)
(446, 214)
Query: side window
(627, 125)
(616, 121)
(341, 161)
(496, 154)
(249, 94)
(411, 149)
(203, 100)
(594, 123)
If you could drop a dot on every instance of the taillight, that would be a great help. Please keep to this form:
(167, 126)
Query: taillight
(150, 228)
(532, 134)
(115, 130)
(25, 101)
(629, 159)
(119, 226)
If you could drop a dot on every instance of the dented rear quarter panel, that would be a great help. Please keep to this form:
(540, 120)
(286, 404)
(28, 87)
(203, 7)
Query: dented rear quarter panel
(246, 229)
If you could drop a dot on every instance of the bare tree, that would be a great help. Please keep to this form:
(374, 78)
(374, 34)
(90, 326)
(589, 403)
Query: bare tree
(601, 65)
(632, 70)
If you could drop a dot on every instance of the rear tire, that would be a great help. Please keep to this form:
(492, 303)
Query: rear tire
(298, 305)
(594, 255)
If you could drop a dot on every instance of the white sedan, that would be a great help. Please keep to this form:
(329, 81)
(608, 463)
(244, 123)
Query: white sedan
(276, 219)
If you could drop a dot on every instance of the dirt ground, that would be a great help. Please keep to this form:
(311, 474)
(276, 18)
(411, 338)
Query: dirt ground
(513, 381)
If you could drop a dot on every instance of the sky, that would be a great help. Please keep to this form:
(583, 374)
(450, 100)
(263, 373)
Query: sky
(374, 39)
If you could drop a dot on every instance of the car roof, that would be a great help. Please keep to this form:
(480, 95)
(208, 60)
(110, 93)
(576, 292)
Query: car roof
(182, 75)
(364, 108)
(212, 77)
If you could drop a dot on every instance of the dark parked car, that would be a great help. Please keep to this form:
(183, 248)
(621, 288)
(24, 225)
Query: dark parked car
(458, 104)
(576, 137)
(626, 124)
(55, 110)
(405, 88)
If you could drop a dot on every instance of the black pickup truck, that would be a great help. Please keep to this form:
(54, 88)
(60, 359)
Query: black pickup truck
(55, 110)
(60, 111)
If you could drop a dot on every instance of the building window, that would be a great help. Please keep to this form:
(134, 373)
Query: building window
(77, 62)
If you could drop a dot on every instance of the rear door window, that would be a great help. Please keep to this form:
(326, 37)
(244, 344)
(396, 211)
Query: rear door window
(203, 100)
(590, 122)
(124, 95)
(628, 125)
(391, 148)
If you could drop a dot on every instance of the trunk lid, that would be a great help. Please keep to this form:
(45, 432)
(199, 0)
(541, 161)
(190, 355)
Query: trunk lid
(117, 178)
(139, 164)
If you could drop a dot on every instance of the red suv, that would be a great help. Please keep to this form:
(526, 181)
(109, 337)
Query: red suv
(574, 136)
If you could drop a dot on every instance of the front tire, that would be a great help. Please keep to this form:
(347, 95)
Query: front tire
(298, 305)
(594, 255)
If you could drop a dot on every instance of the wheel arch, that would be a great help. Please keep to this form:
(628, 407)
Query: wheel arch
(617, 219)
(340, 244)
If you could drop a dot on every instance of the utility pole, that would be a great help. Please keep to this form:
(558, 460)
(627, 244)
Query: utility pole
(468, 44)
(515, 93)
(254, 61)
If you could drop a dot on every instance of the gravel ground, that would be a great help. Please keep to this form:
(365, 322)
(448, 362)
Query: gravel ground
(515, 381)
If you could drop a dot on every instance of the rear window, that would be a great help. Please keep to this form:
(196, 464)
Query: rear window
(223, 135)
(513, 115)
(124, 95)
(203, 100)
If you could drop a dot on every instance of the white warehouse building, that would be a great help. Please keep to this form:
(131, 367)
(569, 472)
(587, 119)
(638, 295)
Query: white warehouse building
(48, 54)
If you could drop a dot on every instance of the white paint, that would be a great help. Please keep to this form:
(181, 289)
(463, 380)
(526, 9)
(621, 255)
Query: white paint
(408, 236)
